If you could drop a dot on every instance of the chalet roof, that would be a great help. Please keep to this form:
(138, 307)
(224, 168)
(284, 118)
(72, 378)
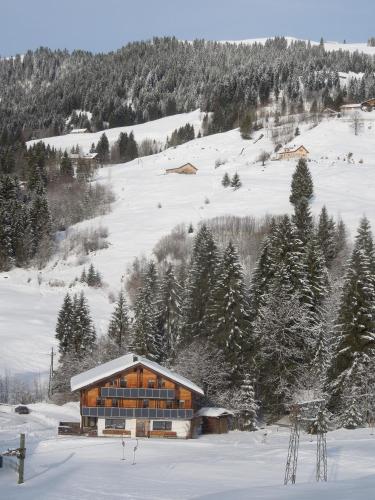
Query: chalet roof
(86, 156)
(117, 365)
(350, 106)
(292, 149)
(213, 412)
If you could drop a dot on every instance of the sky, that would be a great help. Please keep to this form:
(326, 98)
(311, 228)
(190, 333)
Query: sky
(105, 25)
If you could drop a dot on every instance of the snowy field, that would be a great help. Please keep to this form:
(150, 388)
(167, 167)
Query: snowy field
(29, 306)
(328, 45)
(238, 465)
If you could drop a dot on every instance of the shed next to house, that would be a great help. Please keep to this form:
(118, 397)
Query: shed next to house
(188, 168)
(215, 420)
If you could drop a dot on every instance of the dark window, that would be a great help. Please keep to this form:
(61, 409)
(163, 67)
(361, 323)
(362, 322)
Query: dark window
(113, 381)
(146, 403)
(162, 425)
(114, 402)
(114, 423)
(169, 404)
(181, 403)
(123, 382)
(151, 384)
(99, 402)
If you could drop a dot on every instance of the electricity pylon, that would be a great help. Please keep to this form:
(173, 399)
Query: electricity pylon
(321, 448)
(292, 459)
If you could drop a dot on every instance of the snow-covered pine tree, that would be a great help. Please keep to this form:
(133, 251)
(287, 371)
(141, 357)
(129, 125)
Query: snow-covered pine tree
(227, 316)
(355, 328)
(226, 180)
(317, 278)
(302, 184)
(352, 417)
(83, 331)
(146, 341)
(40, 219)
(284, 348)
(169, 314)
(66, 168)
(327, 236)
(320, 423)
(119, 330)
(245, 403)
(64, 332)
(235, 183)
(303, 220)
(201, 277)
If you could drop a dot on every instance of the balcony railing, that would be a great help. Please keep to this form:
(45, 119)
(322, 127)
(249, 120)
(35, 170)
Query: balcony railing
(112, 412)
(137, 393)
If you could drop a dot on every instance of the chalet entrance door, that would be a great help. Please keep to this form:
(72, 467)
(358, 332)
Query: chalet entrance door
(142, 428)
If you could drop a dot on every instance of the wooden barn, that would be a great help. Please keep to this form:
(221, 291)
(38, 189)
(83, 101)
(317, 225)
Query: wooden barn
(350, 108)
(188, 168)
(293, 153)
(133, 396)
(215, 420)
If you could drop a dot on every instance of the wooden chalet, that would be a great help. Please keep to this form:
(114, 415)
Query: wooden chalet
(293, 153)
(350, 108)
(188, 168)
(79, 131)
(87, 158)
(133, 396)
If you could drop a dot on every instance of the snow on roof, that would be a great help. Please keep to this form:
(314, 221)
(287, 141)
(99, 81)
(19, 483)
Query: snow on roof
(78, 131)
(123, 363)
(213, 412)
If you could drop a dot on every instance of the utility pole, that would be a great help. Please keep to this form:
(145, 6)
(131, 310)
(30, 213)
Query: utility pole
(21, 457)
(321, 448)
(291, 462)
(50, 374)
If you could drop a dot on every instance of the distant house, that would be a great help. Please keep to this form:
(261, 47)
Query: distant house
(188, 168)
(88, 158)
(368, 105)
(214, 420)
(293, 153)
(78, 131)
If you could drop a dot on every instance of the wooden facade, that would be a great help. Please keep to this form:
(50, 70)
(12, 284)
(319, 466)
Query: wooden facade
(188, 168)
(138, 401)
(368, 105)
(215, 420)
(293, 153)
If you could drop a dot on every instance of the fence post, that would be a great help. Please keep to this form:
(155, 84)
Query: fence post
(21, 456)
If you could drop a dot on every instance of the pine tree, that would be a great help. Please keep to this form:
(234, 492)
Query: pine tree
(303, 220)
(228, 312)
(66, 168)
(356, 318)
(226, 180)
(146, 339)
(119, 330)
(236, 182)
(202, 275)
(302, 185)
(246, 126)
(326, 236)
(317, 279)
(102, 149)
(40, 220)
(246, 404)
(169, 314)
(320, 423)
(352, 417)
(64, 333)
(83, 331)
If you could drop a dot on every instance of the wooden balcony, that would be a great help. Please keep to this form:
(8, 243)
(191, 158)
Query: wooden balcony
(137, 393)
(148, 413)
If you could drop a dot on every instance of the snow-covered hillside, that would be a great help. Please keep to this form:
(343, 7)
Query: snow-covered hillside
(234, 466)
(29, 305)
(157, 130)
(328, 45)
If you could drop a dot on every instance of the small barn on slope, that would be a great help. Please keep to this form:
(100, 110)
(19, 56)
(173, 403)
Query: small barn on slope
(188, 168)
